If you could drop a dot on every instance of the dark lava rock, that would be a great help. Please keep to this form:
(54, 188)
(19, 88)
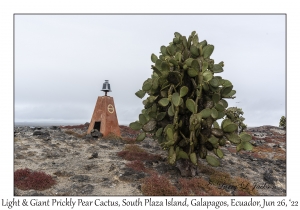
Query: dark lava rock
(131, 175)
(95, 155)
(268, 177)
(41, 132)
(96, 134)
(80, 178)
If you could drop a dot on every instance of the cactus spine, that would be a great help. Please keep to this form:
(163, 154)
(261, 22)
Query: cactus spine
(185, 100)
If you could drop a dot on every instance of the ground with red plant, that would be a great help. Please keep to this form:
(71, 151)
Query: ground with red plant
(81, 165)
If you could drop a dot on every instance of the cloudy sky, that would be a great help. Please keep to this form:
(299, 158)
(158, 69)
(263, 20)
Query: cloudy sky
(61, 62)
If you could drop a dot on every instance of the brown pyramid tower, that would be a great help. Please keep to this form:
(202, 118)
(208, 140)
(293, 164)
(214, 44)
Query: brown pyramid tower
(104, 118)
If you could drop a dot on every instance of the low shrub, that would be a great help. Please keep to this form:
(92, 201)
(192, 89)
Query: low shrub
(199, 187)
(137, 165)
(26, 179)
(73, 133)
(157, 185)
(128, 140)
(134, 152)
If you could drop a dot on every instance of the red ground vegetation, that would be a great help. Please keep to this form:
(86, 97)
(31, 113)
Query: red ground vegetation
(26, 179)
(134, 152)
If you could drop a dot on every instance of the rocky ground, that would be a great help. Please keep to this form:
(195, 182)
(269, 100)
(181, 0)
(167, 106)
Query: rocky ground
(85, 166)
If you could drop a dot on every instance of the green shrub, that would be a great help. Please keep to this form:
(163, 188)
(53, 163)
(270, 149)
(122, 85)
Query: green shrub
(282, 122)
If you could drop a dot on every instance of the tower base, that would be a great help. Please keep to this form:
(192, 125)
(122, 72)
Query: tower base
(104, 118)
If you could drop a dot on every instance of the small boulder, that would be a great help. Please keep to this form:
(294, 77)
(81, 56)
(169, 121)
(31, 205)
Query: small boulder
(96, 134)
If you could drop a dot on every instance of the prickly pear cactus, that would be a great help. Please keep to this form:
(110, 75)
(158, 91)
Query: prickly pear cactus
(235, 115)
(282, 122)
(185, 99)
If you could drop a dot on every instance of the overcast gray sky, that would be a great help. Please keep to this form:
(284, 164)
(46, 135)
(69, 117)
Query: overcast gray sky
(61, 62)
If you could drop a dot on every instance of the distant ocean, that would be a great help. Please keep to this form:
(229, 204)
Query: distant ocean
(46, 124)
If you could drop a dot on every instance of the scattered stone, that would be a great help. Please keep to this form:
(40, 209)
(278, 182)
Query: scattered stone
(94, 155)
(80, 178)
(96, 134)
(112, 167)
(268, 177)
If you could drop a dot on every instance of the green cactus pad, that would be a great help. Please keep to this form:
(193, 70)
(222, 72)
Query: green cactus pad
(171, 50)
(205, 113)
(140, 93)
(135, 126)
(216, 97)
(205, 86)
(159, 132)
(222, 141)
(192, 72)
(170, 134)
(217, 68)
(156, 70)
(193, 158)
(158, 63)
(229, 94)
(214, 82)
(182, 154)
(207, 75)
(204, 66)
(233, 138)
(153, 58)
(141, 136)
(171, 111)
(211, 160)
(221, 114)
(183, 91)
(152, 114)
(226, 90)
(178, 56)
(208, 50)
(225, 122)
(214, 113)
(216, 124)
(175, 99)
(163, 50)
(223, 103)
(142, 119)
(194, 51)
(219, 153)
(245, 136)
(190, 104)
(161, 116)
(195, 65)
(203, 43)
(247, 146)
(165, 66)
(219, 107)
(226, 83)
(230, 128)
(195, 40)
(213, 140)
(188, 61)
(176, 40)
(163, 102)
